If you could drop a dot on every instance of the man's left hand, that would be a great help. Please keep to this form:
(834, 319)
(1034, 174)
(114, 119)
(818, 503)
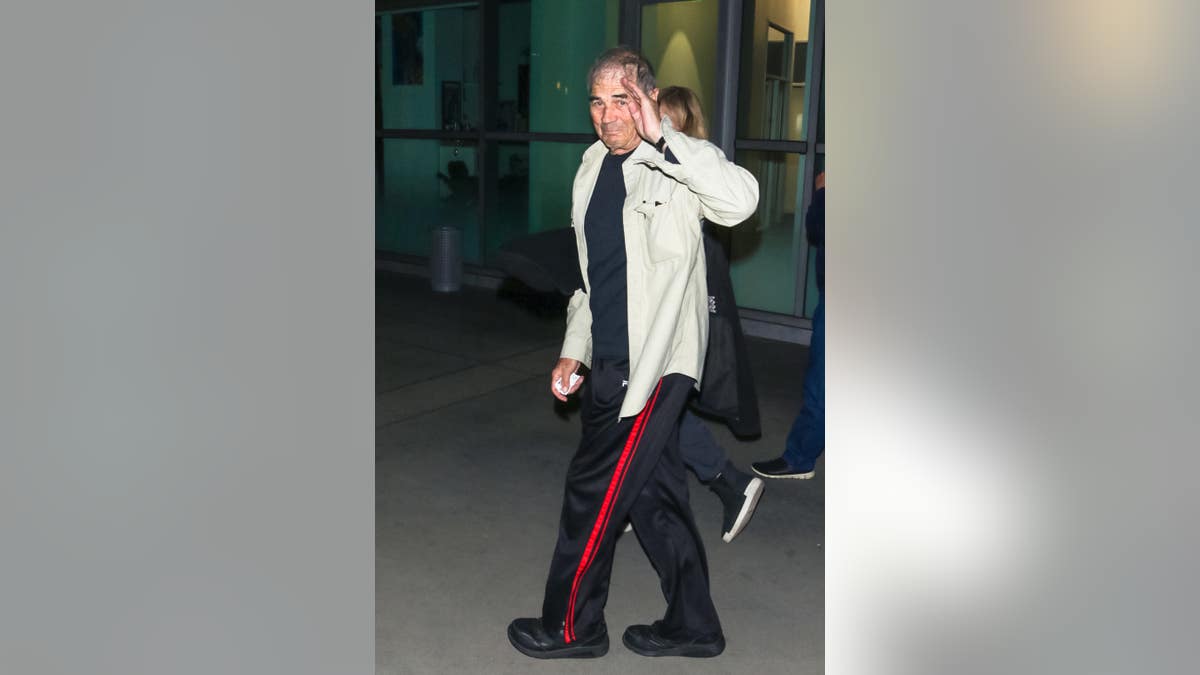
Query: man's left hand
(644, 110)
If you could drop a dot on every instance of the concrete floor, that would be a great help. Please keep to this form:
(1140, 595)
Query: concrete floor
(471, 451)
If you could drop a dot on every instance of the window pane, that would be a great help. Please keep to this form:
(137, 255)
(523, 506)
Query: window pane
(426, 184)
(680, 40)
(508, 214)
(774, 70)
(512, 69)
(766, 250)
(429, 69)
(565, 37)
(533, 191)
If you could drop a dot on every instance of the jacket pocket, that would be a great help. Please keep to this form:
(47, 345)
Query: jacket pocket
(663, 243)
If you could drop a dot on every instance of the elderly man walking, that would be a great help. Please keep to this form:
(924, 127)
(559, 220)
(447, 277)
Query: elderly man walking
(640, 324)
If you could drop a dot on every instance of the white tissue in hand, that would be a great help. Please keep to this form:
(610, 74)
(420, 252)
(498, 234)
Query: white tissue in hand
(565, 390)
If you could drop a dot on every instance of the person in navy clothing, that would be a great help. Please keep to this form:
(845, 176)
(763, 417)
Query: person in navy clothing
(806, 440)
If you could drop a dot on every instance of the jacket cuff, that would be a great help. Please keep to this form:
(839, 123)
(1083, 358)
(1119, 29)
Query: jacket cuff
(579, 349)
(675, 140)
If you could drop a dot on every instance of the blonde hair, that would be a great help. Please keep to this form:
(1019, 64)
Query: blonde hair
(682, 105)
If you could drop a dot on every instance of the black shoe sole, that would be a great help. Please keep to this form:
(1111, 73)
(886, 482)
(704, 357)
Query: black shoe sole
(701, 651)
(575, 651)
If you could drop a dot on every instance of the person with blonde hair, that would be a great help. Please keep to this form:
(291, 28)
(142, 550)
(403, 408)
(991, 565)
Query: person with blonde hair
(682, 105)
(726, 362)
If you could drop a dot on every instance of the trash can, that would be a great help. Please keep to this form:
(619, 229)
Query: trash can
(445, 261)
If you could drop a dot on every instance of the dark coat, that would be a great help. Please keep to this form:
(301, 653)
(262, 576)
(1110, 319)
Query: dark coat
(814, 229)
(550, 261)
(727, 389)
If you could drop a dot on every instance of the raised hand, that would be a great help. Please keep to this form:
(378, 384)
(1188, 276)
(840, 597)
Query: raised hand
(643, 108)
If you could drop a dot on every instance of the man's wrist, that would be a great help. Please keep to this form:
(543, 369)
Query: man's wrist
(661, 144)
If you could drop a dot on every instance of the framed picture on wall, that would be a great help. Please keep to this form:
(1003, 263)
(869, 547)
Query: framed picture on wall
(451, 104)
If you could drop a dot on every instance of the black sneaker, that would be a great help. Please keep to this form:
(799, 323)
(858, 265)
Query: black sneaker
(531, 639)
(779, 468)
(647, 641)
(739, 495)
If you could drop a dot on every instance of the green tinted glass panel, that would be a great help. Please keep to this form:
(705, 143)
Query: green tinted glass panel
(766, 250)
(428, 76)
(533, 190)
(508, 213)
(426, 184)
(565, 37)
(513, 68)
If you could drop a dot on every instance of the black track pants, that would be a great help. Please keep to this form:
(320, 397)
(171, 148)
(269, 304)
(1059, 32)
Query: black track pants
(628, 469)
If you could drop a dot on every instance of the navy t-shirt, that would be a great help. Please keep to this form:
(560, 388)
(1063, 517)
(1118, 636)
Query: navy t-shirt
(604, 232)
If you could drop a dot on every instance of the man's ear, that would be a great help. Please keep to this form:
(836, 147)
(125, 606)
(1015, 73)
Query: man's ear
(654, 94)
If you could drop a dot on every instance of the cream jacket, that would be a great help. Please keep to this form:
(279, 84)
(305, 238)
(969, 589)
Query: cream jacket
(664, 249)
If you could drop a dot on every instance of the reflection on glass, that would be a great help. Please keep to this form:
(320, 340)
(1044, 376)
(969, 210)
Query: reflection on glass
(774, 70)
(508, 215)
(680, 40)
(427, 184)
(533, 190)
(429, 65)
(766, 250)
(429, 69)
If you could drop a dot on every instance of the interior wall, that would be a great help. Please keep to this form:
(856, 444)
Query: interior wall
(680, 40)
(791, 16)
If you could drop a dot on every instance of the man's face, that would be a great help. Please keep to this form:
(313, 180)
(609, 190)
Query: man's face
(610, 112)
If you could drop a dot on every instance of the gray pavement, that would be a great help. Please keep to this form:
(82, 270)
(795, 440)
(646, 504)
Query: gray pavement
(471, 451)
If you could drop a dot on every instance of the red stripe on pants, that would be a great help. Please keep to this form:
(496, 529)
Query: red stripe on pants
(601, 525)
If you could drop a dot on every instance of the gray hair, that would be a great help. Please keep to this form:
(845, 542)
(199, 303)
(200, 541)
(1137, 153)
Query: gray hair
(620, 58)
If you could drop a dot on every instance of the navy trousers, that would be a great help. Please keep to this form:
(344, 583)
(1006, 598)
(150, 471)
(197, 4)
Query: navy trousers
(698, 449)
(806, 440)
